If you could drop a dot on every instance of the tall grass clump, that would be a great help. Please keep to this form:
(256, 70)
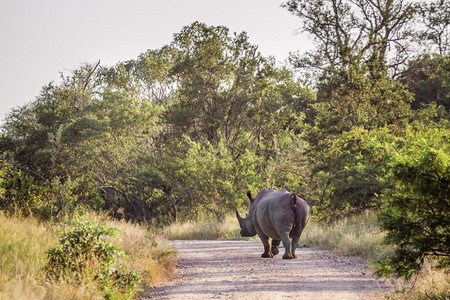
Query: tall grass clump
(353, 236)
(23, 246)
(430, 284)
(228, 228)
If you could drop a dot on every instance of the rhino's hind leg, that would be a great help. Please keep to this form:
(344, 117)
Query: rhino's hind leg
(294, 246)
(287, 246)
(275, 245)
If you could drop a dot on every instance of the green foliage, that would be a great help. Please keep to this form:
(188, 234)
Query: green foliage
(115, 138)
(182, 132)
(428, 78)
(22, 193)
(349, 174)
(381, 268)
(287, 165)
(352, 104)
(350, 96)
(345, 31)
(86, 253)
(416, 205)
(225, 88)
(211, 180)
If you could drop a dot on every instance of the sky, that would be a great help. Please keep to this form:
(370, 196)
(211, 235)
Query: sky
(40, 39)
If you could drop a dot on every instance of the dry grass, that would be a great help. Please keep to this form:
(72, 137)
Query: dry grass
(227, 229)
(357, 236)
(23, 246)
(360, 236)
(23, 243)
(429, 285)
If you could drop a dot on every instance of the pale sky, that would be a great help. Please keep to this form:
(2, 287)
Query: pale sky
(40, 38)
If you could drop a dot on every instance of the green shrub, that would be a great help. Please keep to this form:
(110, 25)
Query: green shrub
(86, 253)
(25, 193)
(416, 203)
(211, 180)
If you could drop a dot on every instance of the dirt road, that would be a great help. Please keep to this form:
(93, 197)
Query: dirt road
(234, 270)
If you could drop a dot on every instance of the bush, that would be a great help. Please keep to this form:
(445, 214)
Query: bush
(349, 177)
(21, 193)
(25, 193)
(86, 253)
(416, 204)
(24, 244)
(211, 181)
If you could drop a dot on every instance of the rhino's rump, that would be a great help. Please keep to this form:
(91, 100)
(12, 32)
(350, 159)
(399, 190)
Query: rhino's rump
(273, 213)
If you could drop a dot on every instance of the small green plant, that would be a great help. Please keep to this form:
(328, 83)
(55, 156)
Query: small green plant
(380, 268)
(118, 279)
(86, 253)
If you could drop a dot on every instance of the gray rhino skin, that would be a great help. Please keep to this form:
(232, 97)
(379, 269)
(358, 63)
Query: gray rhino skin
(278, 215)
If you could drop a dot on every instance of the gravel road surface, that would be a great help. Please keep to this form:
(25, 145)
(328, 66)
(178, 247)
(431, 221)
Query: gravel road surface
(234, 270)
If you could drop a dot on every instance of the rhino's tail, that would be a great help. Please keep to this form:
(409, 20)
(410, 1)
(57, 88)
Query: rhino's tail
(299, 220)
(296, 225)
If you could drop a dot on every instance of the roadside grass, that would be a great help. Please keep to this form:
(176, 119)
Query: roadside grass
(23, 254)
(23, 242)
(428, 285)
(357, 236)
(360, 237)
(203, 230)
(148, 253)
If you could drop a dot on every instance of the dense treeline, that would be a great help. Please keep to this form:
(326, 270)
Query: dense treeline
(182, 132)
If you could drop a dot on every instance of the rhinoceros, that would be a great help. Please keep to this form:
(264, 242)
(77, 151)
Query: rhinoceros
(278, 215)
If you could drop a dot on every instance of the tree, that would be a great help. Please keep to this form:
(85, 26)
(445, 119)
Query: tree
(224, 86)
(347, 31)
(348, 97)
(208, 181)
(32, 127)
(146, 78)
(108, 149)
(435, 16)
(428, 78)
(183, 129)
(204, 72)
